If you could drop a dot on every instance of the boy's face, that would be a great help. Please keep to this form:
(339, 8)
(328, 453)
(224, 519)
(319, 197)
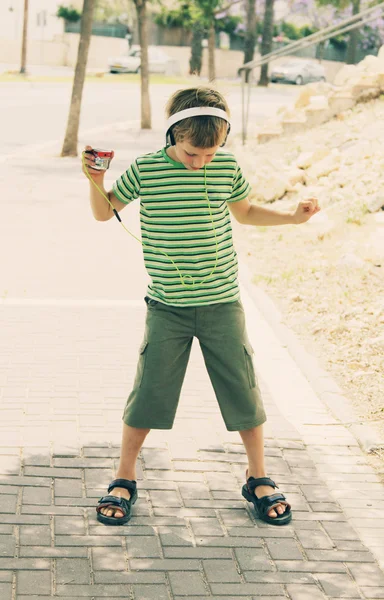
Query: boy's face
(193, 158)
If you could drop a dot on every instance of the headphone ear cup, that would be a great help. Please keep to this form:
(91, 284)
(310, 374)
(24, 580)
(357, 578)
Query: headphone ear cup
(169, 138)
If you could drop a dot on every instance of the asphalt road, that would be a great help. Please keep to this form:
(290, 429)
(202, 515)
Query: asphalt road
(33, 114)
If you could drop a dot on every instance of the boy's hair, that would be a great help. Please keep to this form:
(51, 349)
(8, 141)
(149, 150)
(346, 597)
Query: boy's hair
(204, 131)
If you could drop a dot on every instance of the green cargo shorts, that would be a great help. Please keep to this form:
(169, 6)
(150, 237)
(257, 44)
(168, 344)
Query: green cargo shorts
(163, 360)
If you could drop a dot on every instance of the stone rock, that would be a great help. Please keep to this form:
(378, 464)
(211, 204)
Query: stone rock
(376, 203)
(307, 159)
(345, 75)
(295, 176)
(351, 260)
(313, 90)
(325, 166)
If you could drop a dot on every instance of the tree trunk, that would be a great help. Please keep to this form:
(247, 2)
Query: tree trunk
(195, 62)
(211, 52)
(266, 43)
(144, 67)
(250, 34)
(71, 135)
(25, 39)
(351, 57)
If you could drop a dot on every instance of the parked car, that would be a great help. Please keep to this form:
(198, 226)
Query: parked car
(298, 72)
(159, 61)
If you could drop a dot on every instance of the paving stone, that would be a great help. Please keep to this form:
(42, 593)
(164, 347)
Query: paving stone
(310, 566)
(177, 552)
(49, 552)
(68, 488)
(194, 490)
(150, 592)
(6, 591)
(221, 571)
(300, 592)
(340, 531)
(251, 559)
(187, 584)
(284, 549)
(148, 564)
(155, 458)
(23, 564)
(231, 542)
(339, 555)
(8, 504)
(367, 575)
(7, 545)
(165, 498)
(113, 560)
(94, 591)
(373, 593)
(35, 534)
(72, 570)
(37, 496)
(143, 547)
(38, 581)
(315, 539)
(122, 577)
(206, 527)
(69, 525)
(6, 577)
(279, 577)
(248, 589)
(87, 540)
(337, 585)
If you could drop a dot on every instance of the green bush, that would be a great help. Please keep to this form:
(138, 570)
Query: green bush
(68, 13)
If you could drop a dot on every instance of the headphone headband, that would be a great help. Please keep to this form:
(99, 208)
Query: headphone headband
(198, 111)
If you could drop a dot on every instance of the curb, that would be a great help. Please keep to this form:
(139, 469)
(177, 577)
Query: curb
(322, 383)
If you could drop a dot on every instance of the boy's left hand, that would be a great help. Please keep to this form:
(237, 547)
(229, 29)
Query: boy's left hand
(305, 210)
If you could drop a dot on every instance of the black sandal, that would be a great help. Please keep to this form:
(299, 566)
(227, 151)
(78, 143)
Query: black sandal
(115, 502)
(263, 505)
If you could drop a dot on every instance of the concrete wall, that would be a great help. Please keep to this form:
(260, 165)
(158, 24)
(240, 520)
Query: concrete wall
(62, 51)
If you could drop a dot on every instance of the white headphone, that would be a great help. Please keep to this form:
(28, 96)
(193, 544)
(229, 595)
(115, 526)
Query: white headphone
(198, 111)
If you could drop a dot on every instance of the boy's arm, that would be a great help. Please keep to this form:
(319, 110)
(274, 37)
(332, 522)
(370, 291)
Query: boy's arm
(252, 214)
(102, 211)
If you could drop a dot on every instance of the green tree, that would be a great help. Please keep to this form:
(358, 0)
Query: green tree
(267, 38)
(24, 39)
(71, 135)
(141, 8)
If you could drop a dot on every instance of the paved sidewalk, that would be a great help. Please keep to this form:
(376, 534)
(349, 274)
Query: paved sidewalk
(71, 321)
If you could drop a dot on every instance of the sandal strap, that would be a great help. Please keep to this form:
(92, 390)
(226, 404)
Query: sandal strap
(113, 501)
(253, 483)
(267, 502)
(127, 484)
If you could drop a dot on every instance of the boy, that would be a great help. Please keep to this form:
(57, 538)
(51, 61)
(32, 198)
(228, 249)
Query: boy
(185, 190)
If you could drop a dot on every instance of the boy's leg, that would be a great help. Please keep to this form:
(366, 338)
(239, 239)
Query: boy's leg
(253, 440)
(132, 442)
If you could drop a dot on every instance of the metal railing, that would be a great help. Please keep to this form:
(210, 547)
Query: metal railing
(354, 22)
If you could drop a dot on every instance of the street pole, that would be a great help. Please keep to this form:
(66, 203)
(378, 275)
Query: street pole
(25, 38)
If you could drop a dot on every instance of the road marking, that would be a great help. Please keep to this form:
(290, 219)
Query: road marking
(32, 148)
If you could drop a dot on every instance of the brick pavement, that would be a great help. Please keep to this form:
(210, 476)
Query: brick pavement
(68, 350)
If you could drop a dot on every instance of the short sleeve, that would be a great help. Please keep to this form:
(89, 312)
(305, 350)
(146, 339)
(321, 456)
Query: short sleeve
(127, 187)
(240, 187)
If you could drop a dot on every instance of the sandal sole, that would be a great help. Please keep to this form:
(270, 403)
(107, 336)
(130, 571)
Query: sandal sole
(270, 520)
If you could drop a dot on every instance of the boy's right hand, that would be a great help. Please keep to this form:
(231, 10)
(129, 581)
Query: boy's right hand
(88, 158)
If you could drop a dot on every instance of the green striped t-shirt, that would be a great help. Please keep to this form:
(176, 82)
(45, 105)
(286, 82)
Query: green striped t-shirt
(176, 221)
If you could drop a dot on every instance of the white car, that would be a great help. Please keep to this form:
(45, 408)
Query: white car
(159, 61)
(298, 72)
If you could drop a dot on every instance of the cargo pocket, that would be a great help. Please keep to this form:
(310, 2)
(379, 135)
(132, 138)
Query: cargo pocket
(248, 350)
(141, 364)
